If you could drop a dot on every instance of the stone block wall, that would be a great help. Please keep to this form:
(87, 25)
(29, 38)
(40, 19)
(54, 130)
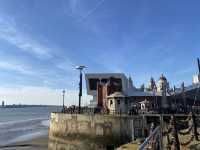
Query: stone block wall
(89, 132)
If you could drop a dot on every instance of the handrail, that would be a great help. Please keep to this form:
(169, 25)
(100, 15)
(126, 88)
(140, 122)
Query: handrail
(155, 132)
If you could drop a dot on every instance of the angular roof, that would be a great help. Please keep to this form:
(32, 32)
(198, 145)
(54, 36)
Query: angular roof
(143, 93)
(188, 88)
(116, 94)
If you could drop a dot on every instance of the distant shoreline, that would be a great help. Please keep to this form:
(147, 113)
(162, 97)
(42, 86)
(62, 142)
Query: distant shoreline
(27, 106)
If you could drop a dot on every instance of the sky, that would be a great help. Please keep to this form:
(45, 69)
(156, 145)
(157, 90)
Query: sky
(42, 41)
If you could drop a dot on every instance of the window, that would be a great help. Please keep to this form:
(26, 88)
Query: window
(104, 81)
(143, 106)
(111, 102)
(117, 83)
(93, 84)
(126, 101)
(118, 102)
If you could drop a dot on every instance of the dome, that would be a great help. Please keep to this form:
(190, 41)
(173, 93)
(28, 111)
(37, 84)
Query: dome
(162, 77)
(162, 83)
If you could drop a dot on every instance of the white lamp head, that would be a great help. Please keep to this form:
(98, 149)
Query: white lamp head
(81, 67)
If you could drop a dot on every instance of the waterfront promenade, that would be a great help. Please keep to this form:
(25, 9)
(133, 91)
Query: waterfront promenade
(172, 130)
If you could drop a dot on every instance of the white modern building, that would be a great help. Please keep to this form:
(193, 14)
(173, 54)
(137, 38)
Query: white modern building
(92, 79)
(129, 92)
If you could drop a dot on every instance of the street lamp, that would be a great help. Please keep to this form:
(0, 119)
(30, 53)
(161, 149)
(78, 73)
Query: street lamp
(198, 62)
(63, 92)
(80, 68)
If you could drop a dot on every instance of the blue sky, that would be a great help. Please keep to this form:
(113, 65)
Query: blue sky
(42, 41)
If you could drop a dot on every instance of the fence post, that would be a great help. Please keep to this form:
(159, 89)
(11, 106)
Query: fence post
(161, 131)
(152, 127)
(176, 143)
(195, 126)
(133, 128)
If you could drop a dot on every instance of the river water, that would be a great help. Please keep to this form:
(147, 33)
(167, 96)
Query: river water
(21, 124)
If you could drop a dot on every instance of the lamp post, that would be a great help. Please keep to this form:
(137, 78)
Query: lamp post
(63, 92)
(174, 97)
(80, 68)
(198, 63)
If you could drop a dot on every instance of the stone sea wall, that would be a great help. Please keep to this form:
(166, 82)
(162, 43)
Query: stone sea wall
(89, 132)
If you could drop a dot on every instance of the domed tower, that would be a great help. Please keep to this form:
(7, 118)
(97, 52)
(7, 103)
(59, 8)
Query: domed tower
(151, 85)
(162, 85)
(162, 88)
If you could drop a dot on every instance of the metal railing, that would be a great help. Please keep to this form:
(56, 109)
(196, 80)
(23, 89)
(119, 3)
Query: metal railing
(152, 141)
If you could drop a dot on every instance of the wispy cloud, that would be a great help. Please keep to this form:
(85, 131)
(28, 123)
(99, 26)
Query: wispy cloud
(67, 66)
(65, 78)
(91, 11)
(25, 43)
(77, 9)
(23, 69)
(10, 33)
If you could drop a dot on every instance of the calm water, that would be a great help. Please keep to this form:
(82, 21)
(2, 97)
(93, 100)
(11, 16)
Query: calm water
(20, 124)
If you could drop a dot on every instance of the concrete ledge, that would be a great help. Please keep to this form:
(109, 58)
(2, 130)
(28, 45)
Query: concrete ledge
(95, 131)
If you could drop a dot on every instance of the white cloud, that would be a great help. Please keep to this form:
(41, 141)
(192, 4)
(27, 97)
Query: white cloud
(79, 9)
(10, 33)
(91, 11)
(40, 95)
(42, 76)
(35, 95)
(66, 66)
(16, 67)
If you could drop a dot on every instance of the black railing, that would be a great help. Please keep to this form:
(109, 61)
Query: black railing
(152, 142)
(181, 131)
(177, 131)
